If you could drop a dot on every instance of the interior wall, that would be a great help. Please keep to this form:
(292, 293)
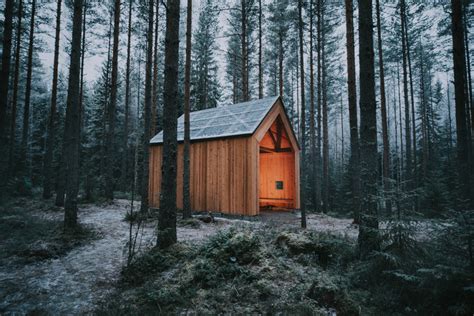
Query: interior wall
(277, 167)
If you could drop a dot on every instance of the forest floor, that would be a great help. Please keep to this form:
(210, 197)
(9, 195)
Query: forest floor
(76, 281)
(80, 277)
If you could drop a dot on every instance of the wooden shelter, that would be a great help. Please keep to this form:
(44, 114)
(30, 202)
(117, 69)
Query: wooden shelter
(243, 157)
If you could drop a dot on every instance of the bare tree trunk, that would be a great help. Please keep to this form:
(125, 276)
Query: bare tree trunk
(280, 63)
(29, 73)
(319, 118)
(468, 66)
(413, 119)
(460, 101)
(187, 76)
(342, 135)
(83, 54)
(400, 124)
(383, 110)
(109, 165)
(72, 128)
(260, 67)
(450, 122)
(167, 217)
(303, 120)
(147, 111)
(15, 90)
(325, 118)
(408, 166)
(312, 131)
(243, 36)
(125, 157)
(402, 154)
(6, 57)
(103, 158)
(154, 103)
(48, 159)
(368, 229)
(424, 119)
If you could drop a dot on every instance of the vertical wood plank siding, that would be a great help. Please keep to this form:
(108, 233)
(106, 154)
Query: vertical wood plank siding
(223, 174)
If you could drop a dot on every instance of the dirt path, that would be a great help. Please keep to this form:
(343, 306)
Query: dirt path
(74, 283)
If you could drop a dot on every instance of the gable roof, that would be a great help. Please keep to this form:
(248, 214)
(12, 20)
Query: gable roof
(225, 121)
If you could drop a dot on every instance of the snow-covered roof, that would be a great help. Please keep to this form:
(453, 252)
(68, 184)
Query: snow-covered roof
(224, 121)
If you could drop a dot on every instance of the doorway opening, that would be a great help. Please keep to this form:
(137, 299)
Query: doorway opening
(277, 186)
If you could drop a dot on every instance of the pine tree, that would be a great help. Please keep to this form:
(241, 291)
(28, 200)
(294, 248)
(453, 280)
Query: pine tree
(5, 70)
(72, 128)
(383, 109)
(167, 216)
(352, 97)
(462, 143)
(29, 73)
(187, 78)
(48, 158)
(205, 88)
(125, 157)
(111, 111)
(12, 141)
(147, 108)
(368, 228)
(303, 120)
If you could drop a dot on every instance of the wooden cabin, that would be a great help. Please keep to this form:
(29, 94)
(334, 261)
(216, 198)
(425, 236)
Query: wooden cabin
(243, 158)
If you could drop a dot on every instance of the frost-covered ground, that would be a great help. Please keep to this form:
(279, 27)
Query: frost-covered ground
(77, 282)
(74, 283)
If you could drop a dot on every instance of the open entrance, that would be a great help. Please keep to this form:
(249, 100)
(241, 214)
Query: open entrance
(277, 169)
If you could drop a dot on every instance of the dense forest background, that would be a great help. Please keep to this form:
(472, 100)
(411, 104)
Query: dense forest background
(379, 94)
(416, 124)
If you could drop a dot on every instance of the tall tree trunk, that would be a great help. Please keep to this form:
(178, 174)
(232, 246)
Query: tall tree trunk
(460, 101)
(424, 118)
(72, 128)
(342, 135)
(103, 157)
(325, 118)
(412, 104)
(167, 217)
(125, 157)
(109, 174)
(147, 111)
(15, 90)
(243, 37)
(368, 229)
(48, 158)
(260, 66)
(5, 72)
(450, 122)
(352, 100)
(29, 73)
(397, 159)
(280, 63)
(187, 77)
(319, 115)
(83, 55)
(408, 166)
(468, 66)
(383, 110)
(312, 131)
(400, 124)
(303, 119)
(154, 103)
